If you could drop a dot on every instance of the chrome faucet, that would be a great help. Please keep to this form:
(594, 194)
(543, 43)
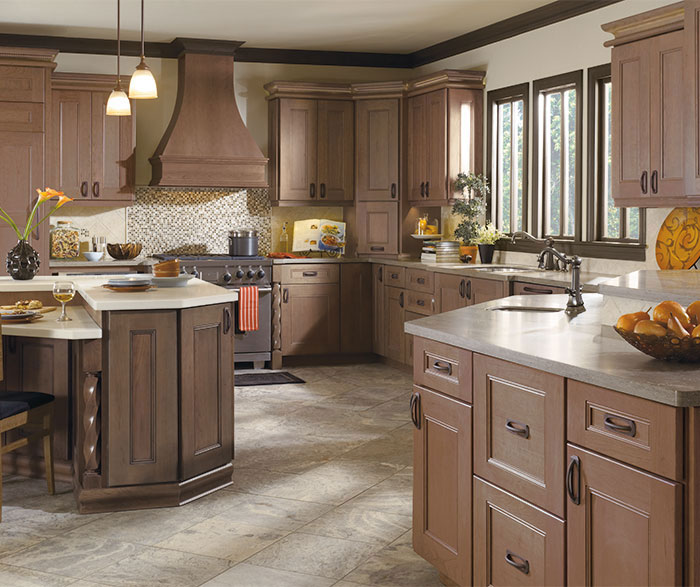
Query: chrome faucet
(575, 302)
(548, 261)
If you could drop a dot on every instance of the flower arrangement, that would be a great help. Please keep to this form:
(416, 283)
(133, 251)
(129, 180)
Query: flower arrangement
(471, 206)
(44, 196)
(488, 235)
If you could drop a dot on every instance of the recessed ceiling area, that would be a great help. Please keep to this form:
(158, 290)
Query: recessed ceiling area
(386, 26)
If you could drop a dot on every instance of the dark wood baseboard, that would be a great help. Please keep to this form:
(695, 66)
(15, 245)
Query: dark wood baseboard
(313, 360)
(395, 364)
(139, 497)
(32, 466)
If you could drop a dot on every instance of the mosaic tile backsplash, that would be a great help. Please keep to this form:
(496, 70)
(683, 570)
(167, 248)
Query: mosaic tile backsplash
(196, 221)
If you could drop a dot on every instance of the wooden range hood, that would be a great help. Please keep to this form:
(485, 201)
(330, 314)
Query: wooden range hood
(206, 143)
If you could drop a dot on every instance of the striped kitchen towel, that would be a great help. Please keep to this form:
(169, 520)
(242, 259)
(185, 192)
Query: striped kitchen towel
(248, 308)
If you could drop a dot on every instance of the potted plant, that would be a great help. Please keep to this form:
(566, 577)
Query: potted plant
(486, 239)
(469, 208)
(22, 259)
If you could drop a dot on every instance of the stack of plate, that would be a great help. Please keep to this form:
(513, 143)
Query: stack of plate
(129, 284)
(447, 252)
(17, 315)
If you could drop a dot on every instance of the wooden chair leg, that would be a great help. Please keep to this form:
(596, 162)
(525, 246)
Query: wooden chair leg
(48, 451)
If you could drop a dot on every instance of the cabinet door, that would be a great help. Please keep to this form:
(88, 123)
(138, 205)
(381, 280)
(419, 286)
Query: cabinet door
(436, 142)
(21, 173)
(378, 228)
(515, 543)
(408, 338)
(378, 325)
(336, 150)
(417, 172)
(310, 319)
(691, 91)
(113, 158)
(626, 530)
(140, 399)
(377, 149)
(666, 77)
(71, 143)
(450, 292)
(394, 317)
(206, 388)
(442, 484)
(630, 120)
(485, 290)
(298, 148)
(355, 308)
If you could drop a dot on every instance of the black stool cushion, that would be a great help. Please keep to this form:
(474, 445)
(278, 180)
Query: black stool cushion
(16, 402)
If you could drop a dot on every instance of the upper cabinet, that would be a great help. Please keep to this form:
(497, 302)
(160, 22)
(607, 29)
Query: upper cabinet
(92, 154)
(444, 128)
(655, 100)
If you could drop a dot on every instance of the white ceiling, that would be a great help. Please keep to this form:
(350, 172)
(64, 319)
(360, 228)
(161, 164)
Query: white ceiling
(392, 26)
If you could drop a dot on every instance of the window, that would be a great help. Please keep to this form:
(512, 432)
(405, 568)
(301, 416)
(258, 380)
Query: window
(607, 224)
(508, 110)
(557, 200)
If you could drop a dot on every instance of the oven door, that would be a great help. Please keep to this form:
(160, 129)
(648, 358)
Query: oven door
(258, 341)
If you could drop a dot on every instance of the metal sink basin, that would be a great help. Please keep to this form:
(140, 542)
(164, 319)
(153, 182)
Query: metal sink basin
(525, 309)
(505, 269)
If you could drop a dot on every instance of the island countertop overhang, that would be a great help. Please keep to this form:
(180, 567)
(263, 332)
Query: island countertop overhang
(584, 348)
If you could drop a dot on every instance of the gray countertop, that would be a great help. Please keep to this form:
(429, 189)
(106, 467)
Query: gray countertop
(584, 348)
(656, 286)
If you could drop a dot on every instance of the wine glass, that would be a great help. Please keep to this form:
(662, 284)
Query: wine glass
(64, 292)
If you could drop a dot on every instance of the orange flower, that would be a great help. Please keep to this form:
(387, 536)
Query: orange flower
(62, 200)
(47, 194)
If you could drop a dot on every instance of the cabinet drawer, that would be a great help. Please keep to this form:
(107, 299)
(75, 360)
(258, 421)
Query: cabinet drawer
(22, 116)
(515, 543)
(631, 429)
(22, 84)
(521, 288)
(310, 273)
(394, 276)
(519, 431)
(420, 280)
(420, 303)
(443, 367)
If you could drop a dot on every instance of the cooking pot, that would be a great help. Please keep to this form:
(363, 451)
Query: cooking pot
(243, 242)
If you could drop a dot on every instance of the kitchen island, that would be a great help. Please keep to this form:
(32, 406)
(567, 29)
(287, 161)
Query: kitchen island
(143, 385)
(548, 450)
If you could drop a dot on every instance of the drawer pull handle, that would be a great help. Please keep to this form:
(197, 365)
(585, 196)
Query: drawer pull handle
(518, 428)
(376, 248)
(381, 274)
(643, 182)
(394, 275)
(422, 189)
(309, 273)
(462, 288)
(574, 464)
(529, 289)
(393, 190)
(518, 562)
(401, 299)
(285, 296)
(96, 189)
(415, 410)
(420, 302)
(227, 320)
(443, 367)
(312, 190)
(84, 189)
(421, 280)
(469, 290)
(630, 428)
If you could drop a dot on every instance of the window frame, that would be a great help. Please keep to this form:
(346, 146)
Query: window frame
(494, 98)
(617, 248)
(541, 87)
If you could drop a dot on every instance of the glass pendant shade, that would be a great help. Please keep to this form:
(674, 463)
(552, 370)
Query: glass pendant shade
(143, 84)
(118, 103)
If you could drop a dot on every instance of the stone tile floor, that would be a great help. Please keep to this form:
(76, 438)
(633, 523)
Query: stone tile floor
(321, 497)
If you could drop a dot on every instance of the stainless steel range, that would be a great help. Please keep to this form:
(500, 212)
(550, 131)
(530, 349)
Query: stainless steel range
(233, 272)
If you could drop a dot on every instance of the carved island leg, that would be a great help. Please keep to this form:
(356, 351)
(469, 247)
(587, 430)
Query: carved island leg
(91, 431)
(276, 362)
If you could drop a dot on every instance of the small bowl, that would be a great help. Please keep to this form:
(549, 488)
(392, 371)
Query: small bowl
(666, 348)
(124, 252)
(93, 255)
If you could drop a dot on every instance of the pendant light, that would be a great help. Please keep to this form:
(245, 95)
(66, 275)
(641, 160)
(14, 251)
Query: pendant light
(118, 102)
(143, 84)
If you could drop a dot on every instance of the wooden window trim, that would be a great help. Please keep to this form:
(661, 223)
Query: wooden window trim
(610, 246)
(565, 80)
(495, 98)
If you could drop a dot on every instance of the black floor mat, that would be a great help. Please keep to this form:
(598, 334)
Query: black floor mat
(246, 379)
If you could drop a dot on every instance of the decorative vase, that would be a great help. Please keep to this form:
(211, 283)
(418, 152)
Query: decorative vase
(470, 250)
(486, 253)
(22, 261)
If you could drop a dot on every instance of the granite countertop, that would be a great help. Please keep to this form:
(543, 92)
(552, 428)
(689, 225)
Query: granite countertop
(81, 327)
(195, 293)
(656, 286)
(105, 263)
(584, 347)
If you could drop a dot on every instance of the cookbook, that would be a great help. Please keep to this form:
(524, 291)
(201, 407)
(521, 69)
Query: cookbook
(318, 234)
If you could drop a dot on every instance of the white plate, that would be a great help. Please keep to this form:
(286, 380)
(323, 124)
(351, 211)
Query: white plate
(8, 315)
(427, 237)
(129, 281)
(179, 281)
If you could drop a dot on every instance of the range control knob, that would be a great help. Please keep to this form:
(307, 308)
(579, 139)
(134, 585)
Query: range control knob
(227, 276)
(239, 273)
(261, 273)
(250, 274)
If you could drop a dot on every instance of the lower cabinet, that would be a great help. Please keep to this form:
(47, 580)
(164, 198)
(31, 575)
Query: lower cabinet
(442, 483)
(356, 308)
(310, 319)
(206, 388)
(394, 318)
(624, 526)
(515, 543)
(408, 338)
(378, 331)
(450, 292)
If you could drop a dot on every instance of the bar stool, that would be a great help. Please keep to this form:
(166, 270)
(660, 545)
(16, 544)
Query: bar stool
(33, 412)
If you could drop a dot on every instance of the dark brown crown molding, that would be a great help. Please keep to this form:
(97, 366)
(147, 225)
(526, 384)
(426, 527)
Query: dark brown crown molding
(522, 23)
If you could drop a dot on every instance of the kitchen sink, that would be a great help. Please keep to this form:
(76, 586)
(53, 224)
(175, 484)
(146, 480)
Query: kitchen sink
(505, 269)
(525, 309)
